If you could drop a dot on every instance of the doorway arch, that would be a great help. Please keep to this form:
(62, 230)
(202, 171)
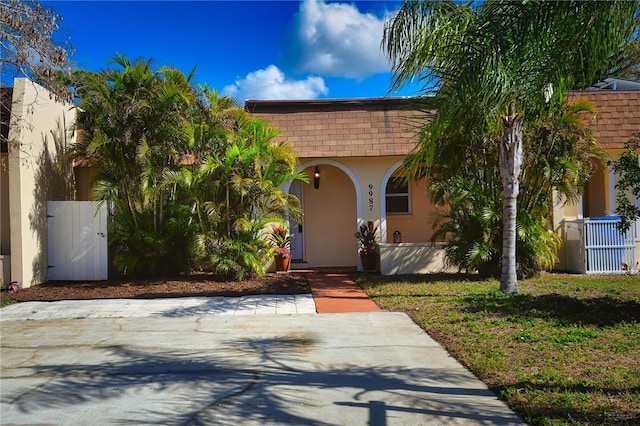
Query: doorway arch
(332, 214)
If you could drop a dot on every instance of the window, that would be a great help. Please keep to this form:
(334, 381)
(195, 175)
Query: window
(397, 196)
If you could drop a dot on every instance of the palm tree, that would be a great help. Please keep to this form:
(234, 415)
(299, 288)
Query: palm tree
(465, 180)
(233, 179)
(182, 168)
(136, 123)
(495, 64)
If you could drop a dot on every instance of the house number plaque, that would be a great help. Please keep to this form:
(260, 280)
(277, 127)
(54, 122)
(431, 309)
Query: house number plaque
(370, 197)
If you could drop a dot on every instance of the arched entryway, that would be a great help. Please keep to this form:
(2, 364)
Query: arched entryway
(325, 238)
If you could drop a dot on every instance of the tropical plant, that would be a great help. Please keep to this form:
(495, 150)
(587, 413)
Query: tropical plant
(184, 170)
(233, 178)
(495, 65)
(466, 182)
(367, 239)
(135, 124)
(239, 256)
(139, 250)
(281, 240)
(627, 167)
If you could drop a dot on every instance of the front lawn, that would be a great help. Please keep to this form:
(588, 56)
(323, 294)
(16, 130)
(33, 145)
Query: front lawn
(564, 351)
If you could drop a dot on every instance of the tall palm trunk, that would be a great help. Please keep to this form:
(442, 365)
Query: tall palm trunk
(510, 165)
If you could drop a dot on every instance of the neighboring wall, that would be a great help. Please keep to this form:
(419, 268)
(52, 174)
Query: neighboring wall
(38, 136)
(5, 224)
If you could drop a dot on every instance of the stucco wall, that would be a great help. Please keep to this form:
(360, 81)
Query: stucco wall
(416, 227)
(413, 258)
(38, 135)
(84, 177)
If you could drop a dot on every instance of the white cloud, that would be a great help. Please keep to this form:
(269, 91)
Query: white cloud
(336, 40)
(270, 83)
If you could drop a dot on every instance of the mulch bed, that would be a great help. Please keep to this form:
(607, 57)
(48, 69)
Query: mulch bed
(181, 286)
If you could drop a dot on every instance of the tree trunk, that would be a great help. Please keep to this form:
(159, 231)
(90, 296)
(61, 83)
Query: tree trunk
(510, 165)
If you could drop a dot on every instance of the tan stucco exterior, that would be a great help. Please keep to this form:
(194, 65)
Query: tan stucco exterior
(38, 135)
(357, 145)
(352, 193)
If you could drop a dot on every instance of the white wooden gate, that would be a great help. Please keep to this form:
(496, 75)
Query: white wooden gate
(77, 241)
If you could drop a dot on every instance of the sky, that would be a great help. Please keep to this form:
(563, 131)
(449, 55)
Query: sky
(288, 49)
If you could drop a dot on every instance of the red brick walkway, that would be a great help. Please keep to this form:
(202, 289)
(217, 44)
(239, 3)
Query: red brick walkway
(336, 292)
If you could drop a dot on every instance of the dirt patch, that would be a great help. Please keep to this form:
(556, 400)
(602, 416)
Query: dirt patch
(182, 286)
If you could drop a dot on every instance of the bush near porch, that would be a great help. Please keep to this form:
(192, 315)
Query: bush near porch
(564, 351)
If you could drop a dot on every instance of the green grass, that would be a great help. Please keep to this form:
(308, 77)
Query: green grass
(566, 350)
(5, 299)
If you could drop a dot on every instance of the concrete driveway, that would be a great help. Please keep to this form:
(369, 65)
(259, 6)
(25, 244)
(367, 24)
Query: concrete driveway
(375, 368)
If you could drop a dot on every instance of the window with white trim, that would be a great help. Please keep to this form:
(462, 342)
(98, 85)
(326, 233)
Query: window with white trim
(397, 196)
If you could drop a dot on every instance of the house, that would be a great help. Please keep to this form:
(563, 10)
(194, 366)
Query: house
(357, 146)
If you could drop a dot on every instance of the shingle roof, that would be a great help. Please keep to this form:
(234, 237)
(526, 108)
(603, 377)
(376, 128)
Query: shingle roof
(342, 127)
(617, 116)
(386, 126)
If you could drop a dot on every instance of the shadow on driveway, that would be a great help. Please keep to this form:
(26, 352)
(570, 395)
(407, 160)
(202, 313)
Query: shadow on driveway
(253, 370)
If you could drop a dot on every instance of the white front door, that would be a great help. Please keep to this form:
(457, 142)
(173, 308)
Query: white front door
(296, 229)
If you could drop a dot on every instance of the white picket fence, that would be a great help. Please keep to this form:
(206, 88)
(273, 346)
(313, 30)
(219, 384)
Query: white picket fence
(595, 246)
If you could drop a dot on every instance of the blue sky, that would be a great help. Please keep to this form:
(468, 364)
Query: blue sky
(265, 49)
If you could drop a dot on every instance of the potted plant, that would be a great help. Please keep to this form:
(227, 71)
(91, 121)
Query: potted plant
(368, 246)
(281, 240)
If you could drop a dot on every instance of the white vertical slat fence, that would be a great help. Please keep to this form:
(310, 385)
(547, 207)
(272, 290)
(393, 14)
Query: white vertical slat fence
(607, 250)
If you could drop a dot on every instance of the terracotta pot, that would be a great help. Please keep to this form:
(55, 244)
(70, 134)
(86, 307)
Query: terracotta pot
(369, 261)
(282, 263)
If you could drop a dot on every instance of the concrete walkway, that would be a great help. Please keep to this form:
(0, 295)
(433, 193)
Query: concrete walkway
(234, 362)
(331, 292)
(336, 292)
(168, 308)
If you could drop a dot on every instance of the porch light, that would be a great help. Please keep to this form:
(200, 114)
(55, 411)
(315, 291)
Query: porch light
(397, 236)
(316, 178)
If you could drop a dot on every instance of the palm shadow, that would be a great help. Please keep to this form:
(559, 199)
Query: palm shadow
(258, 380)
(599, 311)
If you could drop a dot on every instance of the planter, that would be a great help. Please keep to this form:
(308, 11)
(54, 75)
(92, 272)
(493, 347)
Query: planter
(369, 261)
(282, 263)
